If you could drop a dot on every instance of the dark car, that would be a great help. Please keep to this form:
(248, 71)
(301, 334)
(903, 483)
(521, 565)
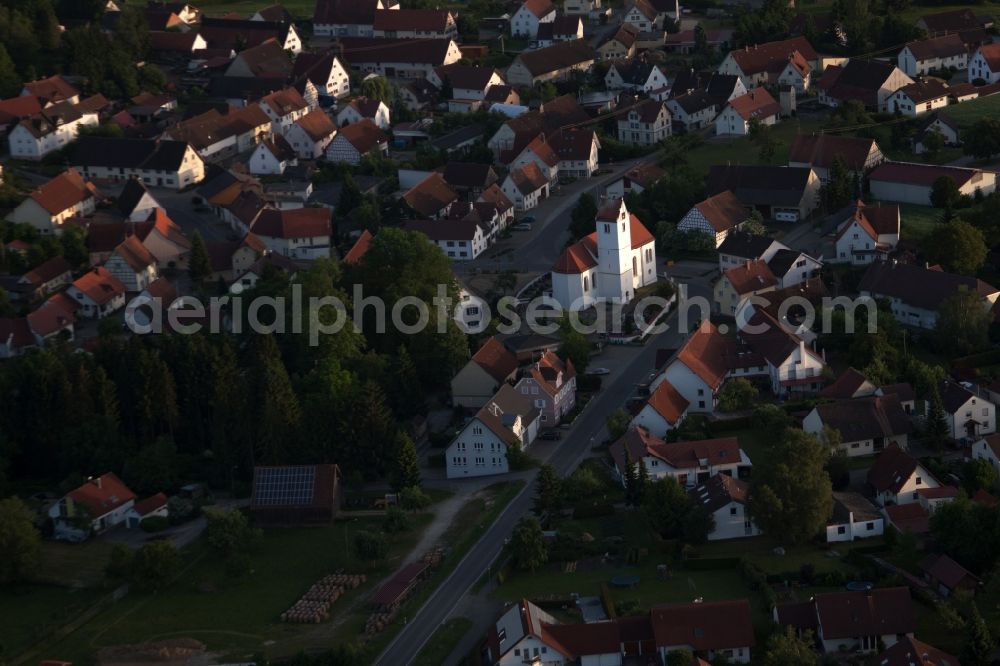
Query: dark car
(551, 435)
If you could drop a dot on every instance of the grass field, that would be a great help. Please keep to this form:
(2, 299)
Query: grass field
(239, 615)
(300, 9)
(443, 641)
(918, 221)
(741, 151)
(30, 612)
(967, 113)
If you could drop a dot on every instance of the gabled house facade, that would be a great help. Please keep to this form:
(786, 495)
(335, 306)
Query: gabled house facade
(646, 124)
(897, 477)
(866, 425)
(481, 447)
(480, 378)
(550, 384)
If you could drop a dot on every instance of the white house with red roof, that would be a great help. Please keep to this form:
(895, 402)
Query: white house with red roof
(690, 463)
(985, 64)
(155, 506)
(132, 264)
(898, 478)
(491, 366)
(717, 215)
(871, 233)
(527, 18)
(98, 505)
(609, 264)
(166, 242)
(297, 233)
(735, 119)
(65, 196)
(311, 134)
(97, 293)
(699, 368)
(550, 384)
(664, 410)
(362, 107)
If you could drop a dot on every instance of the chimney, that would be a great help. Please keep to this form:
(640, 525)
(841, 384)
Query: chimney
(97, 482)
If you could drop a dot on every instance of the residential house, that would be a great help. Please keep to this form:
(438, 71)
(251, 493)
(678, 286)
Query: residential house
(563, 29)
(911, 182)
(646, 124)
(216, 136)
(694, 108)
(718, 216)
(491, 366)
(916, 293)
(717, 629)
(621, 44)
(740, 247)
(460, 240)
(541, 153)
(636, 180)
(231, 259)
(172, 164)
(135, 201)
(637, 75)
(872, 82)
(467, 82)
(789, 365)
(608, 265)
(642, 16)
(154, 506)
(51, 129)
(968, 414)
(325, 71)
(699, 368)
(132, 265)
(52, 90)
(948, 576)
(48, 207)
(271, 157)
(577, 150)
(228, 32)
(480, 448)
(45, 278)
(866, 425)
(265, 60)
(736, 117)
(431, 198)
(284, 107)
(414, 24)
(362, 107)
(820, 151)
(525, 186)
(96, 506)
(936, 122)
(469, 179)
(785, 194)
(165, 240)
(919, 97)
(985, 64)
(355, 141)
(664, 410)
(740, 282)
(353, 18)
(988, 449)
(934, 54)
(97, 293)
(684, 42)
(297, 233)
(516, 133)
(550, 383)
(912, 517)
(870, 234)
(854, 517)
(725, 498)
(399, 58)
(494, 196)
(911, 652)
(689, 463)
(788, 62)
(554, 63)
(311, 134)
(527, 18)
(55, 318)
(842, 622)
(576, 7)
(168, 43)
(792, 267)
(969, 26)
(897, 477)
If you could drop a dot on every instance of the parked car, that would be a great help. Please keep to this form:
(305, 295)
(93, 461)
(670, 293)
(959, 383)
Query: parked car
(521, 227)
(528, 219)
(598, 371)
(551, 435)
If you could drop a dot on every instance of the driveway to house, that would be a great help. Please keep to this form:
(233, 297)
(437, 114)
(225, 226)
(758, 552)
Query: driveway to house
(180, 535)
(566, 455)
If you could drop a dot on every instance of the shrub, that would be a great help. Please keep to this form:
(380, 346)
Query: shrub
(154, 523)
(395, 520)
(370, 546)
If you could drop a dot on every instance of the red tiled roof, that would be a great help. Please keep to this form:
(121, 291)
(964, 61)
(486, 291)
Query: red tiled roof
(316, 124)
(723, 211)
(991, 53)
(135, 254)
(102, 495)
(757, 103)
(578, 257)
(681, 455)
(99, 285)
(364, 135)
(539, 8)
(65, 190)
(845, 386)
(427, 20)
(891, 469)
(912, 652)
(909, 173)
(53, 89)
(944, 46)
(293, 223)
(52, 317)
(496, 360)
(48, 270)
(431, 195)
(751, 277)
(772, 56)
(150, 504)
(18, 108)
(360, 248)
(705, 352)
(820, 150)
(910, 517)
(668, 402)
(876, 612)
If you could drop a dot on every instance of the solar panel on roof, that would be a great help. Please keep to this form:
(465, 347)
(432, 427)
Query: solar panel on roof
(284, 486)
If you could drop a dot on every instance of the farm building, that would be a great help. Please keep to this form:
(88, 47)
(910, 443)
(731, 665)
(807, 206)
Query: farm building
(295, 494)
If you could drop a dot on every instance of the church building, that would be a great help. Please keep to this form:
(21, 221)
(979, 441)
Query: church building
(609, 264)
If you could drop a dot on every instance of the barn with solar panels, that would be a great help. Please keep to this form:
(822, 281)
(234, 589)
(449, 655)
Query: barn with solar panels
(295, 494)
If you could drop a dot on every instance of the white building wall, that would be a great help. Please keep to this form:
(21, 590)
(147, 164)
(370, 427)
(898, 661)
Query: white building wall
(476, 451)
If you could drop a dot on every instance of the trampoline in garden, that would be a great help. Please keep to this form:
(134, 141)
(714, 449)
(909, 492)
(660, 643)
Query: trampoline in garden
(630, 580)
(859, 586)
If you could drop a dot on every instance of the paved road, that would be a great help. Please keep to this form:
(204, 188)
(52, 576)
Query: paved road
(588, 429)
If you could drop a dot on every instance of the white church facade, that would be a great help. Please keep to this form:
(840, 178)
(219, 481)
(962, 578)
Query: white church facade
(609, 264)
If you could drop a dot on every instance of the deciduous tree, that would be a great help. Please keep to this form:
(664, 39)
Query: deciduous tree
(20, 542)
(527, 545)
(958, 246)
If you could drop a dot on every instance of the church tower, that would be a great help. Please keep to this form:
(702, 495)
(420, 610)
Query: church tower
(614, 252)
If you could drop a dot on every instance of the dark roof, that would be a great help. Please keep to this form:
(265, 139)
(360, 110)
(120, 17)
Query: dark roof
(772, 55)
(243, 87)
(945, 570)
(351, 12)
(469, 174)
(555, 57)
(944, 46)
(953, 395)
(880, 612)
(891, 469)
(470, 77)
(758, 103)
(431, 195)
(719, 491)
(869, 417)
(458, 137)
(846, 385)
(267, 59)
(234, 33)
(847, 503)
(710, 625)
(438, 230)
(357, 50)
(745, 245)
(936, 116)
(911, 173)
(956, 20)
(761, 185)
(912, 652)
(858, 79)
(129, 153)
(820, 150)
(783, 261)
(925, 90)
(427, 20)
(918, 286)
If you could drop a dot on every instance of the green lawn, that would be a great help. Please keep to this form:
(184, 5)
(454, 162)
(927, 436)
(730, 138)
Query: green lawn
(241, 616)
(741, 151)
(74, 564)
(760, 551)
(300, 9)
(443, 641)
(30, 612)
(967, 113)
